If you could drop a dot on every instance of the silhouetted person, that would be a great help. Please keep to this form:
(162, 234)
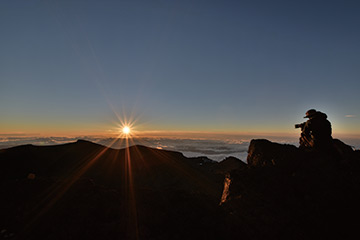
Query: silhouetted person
(315, 132)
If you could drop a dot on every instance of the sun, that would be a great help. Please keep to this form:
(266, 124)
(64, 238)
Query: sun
(126, 130)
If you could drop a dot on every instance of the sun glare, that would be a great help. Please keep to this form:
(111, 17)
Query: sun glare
(126, 130)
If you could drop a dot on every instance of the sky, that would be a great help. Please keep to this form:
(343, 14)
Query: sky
(181, 67)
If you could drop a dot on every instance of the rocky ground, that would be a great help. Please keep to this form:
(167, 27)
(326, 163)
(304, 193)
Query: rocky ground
(86, 191)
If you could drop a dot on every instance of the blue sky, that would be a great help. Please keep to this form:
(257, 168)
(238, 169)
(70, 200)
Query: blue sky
(214, 66)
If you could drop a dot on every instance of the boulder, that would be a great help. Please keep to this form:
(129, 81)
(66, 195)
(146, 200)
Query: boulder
(262, 153)
(288, 193)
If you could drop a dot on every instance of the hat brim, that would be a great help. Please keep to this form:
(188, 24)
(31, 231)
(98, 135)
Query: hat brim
(309, 116)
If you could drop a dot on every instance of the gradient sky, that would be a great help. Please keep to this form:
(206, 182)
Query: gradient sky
(209, 66)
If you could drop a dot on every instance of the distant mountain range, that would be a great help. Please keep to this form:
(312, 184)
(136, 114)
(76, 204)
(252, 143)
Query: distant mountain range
(84, 190)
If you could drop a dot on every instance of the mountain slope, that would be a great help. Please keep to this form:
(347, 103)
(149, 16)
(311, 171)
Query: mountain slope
(87, 190)
(84, 190)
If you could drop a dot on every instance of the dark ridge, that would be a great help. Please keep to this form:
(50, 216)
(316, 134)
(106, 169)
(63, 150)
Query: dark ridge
(32, 146)
(88, 144)
(21, 146)
(82, 141)
(83, 190)
(87, 191)
(229, 164)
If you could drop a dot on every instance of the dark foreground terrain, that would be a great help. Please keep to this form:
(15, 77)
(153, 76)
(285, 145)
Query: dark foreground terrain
(87, 191)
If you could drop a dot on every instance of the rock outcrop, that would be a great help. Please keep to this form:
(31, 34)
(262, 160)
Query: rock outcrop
(286, 193)
(264, 153)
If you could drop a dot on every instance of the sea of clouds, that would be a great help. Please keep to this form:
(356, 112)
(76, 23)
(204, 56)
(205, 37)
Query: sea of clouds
(215, 149)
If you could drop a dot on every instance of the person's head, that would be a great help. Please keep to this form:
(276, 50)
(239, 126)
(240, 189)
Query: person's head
(310, 113)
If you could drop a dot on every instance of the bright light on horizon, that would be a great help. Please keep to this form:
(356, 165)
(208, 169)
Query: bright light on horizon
(126, 130)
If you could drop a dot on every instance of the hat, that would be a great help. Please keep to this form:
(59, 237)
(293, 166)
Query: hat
(310, 113)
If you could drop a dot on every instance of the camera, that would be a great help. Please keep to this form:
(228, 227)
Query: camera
(300, 125)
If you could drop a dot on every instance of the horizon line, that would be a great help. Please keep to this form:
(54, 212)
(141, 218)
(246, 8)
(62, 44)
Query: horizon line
(164, 133)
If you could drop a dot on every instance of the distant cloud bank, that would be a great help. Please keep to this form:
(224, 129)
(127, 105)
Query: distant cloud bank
(350, 116)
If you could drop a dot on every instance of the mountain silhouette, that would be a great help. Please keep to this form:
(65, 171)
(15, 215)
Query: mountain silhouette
(91, 191)
(83, 190)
